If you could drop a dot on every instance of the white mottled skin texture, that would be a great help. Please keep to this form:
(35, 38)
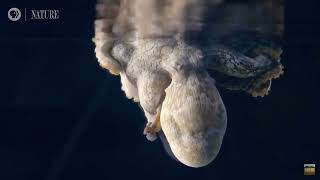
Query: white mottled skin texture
(130, 90)
(169, 78)
(193, 116)
(145, 71)
(195, 126)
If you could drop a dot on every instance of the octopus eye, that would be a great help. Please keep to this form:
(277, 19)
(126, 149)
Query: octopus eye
(178, 66)
(166, 50)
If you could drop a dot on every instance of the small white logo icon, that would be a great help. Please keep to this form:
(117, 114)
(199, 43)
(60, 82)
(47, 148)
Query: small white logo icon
(14, 14)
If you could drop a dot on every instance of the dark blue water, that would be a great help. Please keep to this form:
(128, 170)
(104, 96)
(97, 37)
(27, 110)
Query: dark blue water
(64, 117)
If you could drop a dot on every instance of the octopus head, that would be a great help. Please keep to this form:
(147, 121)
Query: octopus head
(183, 60)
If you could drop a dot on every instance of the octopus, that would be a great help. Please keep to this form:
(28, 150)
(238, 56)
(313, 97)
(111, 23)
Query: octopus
(174, 78)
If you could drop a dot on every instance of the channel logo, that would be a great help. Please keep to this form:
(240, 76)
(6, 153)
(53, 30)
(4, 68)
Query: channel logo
(14, 14)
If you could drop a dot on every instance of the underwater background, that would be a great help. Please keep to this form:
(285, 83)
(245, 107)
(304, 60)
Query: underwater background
(64, 117)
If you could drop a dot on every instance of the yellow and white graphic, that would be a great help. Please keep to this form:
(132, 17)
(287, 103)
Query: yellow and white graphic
(309, 169)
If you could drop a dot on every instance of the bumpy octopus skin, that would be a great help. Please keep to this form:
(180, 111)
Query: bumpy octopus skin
(194, 127)
(193, 117)
(174, 83)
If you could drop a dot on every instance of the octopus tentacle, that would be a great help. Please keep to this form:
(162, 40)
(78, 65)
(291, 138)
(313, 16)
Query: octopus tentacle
(261, 85)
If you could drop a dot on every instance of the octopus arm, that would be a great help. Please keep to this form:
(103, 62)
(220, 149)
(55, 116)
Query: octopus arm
(251, 60)
(233, 63)
(256, 86)
(151, 91)
(112, 32)
(130, 89)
